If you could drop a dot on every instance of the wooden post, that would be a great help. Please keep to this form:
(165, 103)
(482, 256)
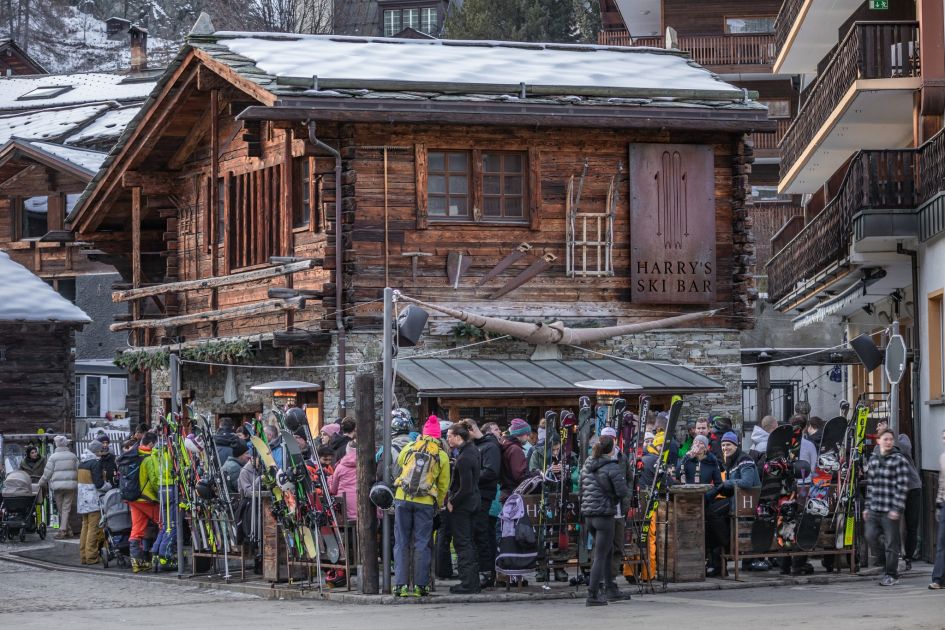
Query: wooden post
(764, 392)
(136, 255)
(367, 473)
(287, 248)
(214, 201)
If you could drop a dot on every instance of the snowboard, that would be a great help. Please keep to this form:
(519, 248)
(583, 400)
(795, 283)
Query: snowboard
(659, 475)
(773, 473)
(789, 511)
(828, 464)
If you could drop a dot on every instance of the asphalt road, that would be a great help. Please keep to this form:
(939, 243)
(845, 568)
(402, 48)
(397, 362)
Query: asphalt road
(38, 598)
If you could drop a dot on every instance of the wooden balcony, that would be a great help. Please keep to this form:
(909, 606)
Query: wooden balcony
(717, 51)
(870, 50)
(892, 181)
(785, 20)
(768, 142)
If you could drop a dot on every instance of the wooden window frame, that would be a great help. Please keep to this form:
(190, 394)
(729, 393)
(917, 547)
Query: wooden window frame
(468, 173)
(313, 216)
(531, 189)
(936, 347)
(736, 16)
(502, 174)
(254, 217)
(764, 101)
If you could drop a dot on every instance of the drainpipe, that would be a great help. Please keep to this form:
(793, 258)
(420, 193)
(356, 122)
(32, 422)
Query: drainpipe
(916, 354)
(339, 275)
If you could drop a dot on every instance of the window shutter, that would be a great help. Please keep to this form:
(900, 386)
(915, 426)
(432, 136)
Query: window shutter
(420, 167)
(534, 188)
(475, 186)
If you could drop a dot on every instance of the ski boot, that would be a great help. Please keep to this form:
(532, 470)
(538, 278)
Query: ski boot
(336, 578)
(401, 590)
(541, 576)
(486, 580)
(561, 575)
(140, 566)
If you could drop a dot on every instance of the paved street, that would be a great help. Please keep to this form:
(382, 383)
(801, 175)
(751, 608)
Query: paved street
(37, 598)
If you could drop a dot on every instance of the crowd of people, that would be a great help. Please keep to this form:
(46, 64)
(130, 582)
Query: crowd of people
(450, 482)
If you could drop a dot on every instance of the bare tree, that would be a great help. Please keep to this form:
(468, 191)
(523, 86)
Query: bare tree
(290, 16)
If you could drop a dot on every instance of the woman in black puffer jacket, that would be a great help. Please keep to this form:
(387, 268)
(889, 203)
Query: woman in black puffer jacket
(603, 486)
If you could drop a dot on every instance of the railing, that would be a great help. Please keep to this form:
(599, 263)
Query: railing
(753, 49)
(771, 139)
(769, 218)
(785, 20)
(870, 50)
(614, 37)
(875, 179)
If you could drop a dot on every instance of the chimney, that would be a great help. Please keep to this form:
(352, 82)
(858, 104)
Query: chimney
(138, 38)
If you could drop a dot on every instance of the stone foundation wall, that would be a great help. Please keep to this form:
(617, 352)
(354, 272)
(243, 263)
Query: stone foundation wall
(714, 353)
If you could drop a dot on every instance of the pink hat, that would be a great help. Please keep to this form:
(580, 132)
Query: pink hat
(432, 427)
(331, 429)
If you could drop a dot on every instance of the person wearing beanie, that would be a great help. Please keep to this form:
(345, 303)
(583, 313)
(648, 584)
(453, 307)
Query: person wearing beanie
(91, 485)
(620, 517)
(61, 476)
(514, 460)
(421, 492)
(738, 471)
(233, 465)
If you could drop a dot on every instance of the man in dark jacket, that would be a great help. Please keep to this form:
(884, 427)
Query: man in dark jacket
(514, 463)
(225, 439)
(484, 526)
(340, 443)
(109, 465)
(887, 479)
(739, 471)
(463, 501)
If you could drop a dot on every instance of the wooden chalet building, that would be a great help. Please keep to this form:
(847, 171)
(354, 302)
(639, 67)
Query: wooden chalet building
(37, 334)
(55, 131)
(14, 60)
(623, 170)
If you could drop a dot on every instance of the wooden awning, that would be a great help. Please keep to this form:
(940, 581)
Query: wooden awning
(496, 378)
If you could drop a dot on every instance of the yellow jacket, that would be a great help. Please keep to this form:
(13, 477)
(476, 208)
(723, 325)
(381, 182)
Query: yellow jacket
(442, 478)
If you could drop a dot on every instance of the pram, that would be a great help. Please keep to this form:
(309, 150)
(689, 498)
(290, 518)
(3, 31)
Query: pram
(116, 521)
(18, 518)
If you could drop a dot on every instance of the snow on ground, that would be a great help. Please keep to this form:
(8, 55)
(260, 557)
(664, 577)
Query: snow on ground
(469, 62)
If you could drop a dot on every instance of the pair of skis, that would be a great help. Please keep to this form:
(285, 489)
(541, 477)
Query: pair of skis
(659, 485)
(848, 503)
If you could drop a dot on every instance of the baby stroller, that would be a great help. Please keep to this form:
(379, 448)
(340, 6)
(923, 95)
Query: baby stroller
(116, 521)
(18, 518)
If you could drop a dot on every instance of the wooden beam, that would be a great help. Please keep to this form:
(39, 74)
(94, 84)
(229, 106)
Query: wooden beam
(136, 249)
(208, 80)
(194, 138)
(210, 283)
(236, 312)
(151, 183)
(287, 248)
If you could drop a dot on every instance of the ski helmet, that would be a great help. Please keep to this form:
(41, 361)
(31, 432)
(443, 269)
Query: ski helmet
(294, 418)
(204, 489)
(721, 424)
(401, 421)
(382, 496)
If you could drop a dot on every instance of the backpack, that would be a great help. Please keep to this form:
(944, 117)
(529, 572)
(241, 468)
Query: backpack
(129, 480)
(421, 468)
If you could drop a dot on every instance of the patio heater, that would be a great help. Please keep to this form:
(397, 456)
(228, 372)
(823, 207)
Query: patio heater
(285, 394)
(607, 392)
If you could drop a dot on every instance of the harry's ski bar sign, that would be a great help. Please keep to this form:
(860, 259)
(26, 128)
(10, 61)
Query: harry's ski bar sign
(672, 224)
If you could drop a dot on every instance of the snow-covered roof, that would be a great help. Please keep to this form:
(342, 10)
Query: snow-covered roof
(107, 126)
(86, 159)
(48, 124)
(470, 63)
(39, 91)
(25, 297)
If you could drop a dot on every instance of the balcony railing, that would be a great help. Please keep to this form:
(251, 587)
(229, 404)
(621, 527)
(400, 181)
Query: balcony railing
(785, 20)
(771, 139)
(888, 180)
(870, 50)
(755, 49)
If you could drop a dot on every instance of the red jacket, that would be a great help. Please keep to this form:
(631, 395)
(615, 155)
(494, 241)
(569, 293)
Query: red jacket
(514, 466)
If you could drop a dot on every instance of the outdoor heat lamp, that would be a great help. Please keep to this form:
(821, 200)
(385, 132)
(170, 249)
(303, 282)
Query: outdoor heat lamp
(607, 388)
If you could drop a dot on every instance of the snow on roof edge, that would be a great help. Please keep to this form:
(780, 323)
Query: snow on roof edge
(24, 297)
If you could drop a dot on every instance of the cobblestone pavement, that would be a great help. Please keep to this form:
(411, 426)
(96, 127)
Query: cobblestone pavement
(33, 598)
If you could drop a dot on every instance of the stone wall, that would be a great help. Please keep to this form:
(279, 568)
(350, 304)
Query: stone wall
(713, 352)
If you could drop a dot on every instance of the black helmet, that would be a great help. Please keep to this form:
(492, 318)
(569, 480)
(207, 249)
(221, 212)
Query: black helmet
(721, 424)
(382, 496)
(204, 489)
(295, 418)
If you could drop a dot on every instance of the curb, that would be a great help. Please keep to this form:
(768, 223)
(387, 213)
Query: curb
(281, 592)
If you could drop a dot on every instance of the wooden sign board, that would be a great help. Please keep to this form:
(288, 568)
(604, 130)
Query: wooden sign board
(672, 224)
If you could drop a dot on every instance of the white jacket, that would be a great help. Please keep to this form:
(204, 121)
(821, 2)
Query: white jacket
(759, 439)
(61, 470)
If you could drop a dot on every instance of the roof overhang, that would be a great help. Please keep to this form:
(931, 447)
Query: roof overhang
(873, 114)
(511, 114)
(17, 149)
(511, 378)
